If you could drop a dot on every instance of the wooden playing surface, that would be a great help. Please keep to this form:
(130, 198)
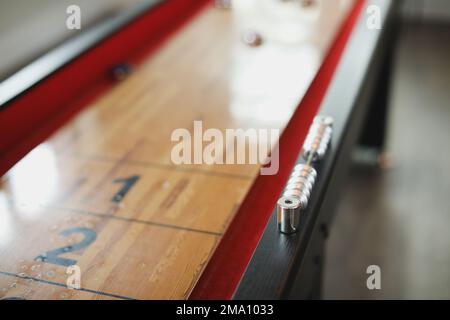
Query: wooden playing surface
(103, 193)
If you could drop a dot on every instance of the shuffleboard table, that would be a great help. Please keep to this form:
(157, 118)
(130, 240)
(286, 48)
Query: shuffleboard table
(85, 145)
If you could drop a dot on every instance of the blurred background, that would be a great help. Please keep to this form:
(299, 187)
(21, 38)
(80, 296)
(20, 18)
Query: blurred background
(399, 217)
(396, 217)
(30, 28)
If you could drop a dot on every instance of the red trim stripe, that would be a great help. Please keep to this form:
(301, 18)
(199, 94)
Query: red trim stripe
(34, 116)
(222, 274)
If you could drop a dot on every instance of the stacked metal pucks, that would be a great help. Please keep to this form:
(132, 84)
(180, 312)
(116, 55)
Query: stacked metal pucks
(301, 183)
(295, 197)
(318, 138)
(298, 189)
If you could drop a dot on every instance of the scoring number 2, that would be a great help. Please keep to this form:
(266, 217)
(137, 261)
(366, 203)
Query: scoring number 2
(53, 256)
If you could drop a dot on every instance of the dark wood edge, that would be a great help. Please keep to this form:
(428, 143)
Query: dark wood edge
(35, 72)
(276, 270)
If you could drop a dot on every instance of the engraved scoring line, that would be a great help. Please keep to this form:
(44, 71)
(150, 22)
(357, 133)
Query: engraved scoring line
(112, 295)
(110, 216)
(147, 164)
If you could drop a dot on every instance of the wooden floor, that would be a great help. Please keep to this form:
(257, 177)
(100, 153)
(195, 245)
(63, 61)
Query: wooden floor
(399, 218)
(102, 193)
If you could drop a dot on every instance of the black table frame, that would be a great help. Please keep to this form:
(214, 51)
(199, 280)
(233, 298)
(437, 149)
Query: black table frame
(291, 266)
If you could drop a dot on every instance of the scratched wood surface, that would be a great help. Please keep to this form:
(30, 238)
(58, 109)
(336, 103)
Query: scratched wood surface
(103, 194)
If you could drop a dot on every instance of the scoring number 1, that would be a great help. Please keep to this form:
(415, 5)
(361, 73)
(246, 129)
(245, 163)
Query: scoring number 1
(128, 183)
